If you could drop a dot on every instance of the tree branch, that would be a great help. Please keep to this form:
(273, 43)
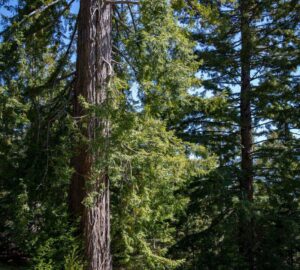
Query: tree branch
(123, 2)
(39, 10)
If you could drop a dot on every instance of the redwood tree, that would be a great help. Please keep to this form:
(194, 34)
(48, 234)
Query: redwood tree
(89, 194)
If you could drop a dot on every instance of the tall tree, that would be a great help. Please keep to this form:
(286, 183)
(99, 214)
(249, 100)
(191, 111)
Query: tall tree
(149, 51)
(148, 44)
(89, 194)
(239, 44)
(246, 181)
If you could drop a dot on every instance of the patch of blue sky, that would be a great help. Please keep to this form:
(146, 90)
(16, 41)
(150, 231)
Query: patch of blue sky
(75, 7)
(3, 9)
(134, 98)
(5, 12)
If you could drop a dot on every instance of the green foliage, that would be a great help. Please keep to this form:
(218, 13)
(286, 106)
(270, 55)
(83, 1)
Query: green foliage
(149, 164)
(73, 260)
(210, 227)
(174, 150)
(150, 169)
(35, 136)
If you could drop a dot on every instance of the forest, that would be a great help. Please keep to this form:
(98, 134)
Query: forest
(150, 134)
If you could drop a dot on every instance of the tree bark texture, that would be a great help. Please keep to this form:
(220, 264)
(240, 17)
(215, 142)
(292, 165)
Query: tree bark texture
(93, 72)
(246, 225)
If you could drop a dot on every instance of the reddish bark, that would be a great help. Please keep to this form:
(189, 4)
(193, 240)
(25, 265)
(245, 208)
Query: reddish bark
(93, 72)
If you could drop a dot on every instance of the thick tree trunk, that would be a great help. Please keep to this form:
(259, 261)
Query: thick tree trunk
(246, 226)
(90, 182)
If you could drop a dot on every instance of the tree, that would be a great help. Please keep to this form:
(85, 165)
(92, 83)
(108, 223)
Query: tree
(35, 83)
(138, 36)
(94, 71)
(195, 173)
(238, 45)
(246, 180)
(151, 47)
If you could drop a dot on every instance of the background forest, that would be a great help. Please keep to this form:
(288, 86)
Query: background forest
(150, 134)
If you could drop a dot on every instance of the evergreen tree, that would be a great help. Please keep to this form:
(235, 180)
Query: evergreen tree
(34, 128)
(149, 49)
(125, 159)
(240, 44)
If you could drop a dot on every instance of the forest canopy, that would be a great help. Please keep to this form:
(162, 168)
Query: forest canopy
(150, 134)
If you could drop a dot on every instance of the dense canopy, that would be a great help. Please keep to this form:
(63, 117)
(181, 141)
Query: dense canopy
(150, 134)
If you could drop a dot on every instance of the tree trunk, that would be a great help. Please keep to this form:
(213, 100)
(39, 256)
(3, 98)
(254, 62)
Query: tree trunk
(90, 181)
(246, 226)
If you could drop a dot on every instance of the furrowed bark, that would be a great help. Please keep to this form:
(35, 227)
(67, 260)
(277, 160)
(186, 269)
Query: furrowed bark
(246, 225)
(93, 72)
